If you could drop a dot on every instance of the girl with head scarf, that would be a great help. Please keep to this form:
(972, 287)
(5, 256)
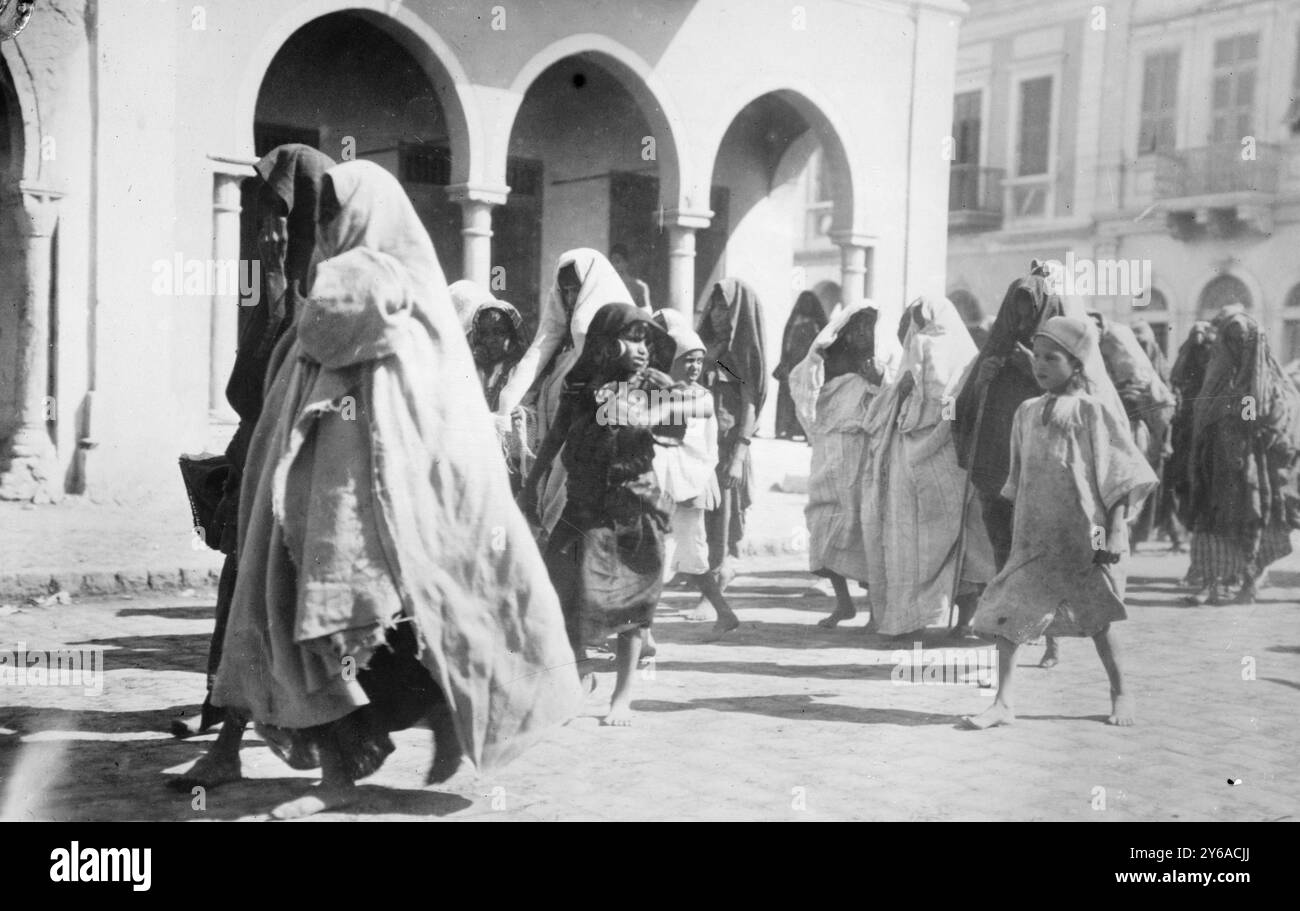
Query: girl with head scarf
(496, 340)
(806, 320)
(288, 194)
(735, 371)
(914, 516)
(584, 282)
(1243, 501)
(849, 362)
(1000, 380)
(688, 473)
(606, 555)
(1074, 473)
(385, 573)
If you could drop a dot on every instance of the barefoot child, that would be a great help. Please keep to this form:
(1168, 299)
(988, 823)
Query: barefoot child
(606, 554)
(687, 474)
(1074, 474)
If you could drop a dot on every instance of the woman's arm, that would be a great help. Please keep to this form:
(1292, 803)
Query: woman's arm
(555, 437)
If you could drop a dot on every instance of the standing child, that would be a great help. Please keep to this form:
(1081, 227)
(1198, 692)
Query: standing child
(1075, 473)
(606, 554)
(687, 475)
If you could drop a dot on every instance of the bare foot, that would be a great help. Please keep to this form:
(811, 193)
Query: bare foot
(444, 768)
(649, 648)
(320, 799)
(620, 716)
(994, 716)
(1122, 711)
(839, 616)
(209, 771)
(698, 614)
(726, 623)
(1051, 657)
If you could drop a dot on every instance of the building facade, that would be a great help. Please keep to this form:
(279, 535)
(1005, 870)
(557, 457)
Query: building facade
(1143, 142)
(679, 129)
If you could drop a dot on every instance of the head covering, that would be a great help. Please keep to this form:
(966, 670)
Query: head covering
(807, 306)
(513, 319)
(809, 377)
(293, 175)
(1193, 357)
(937, 349)
(684, 337)
(605, 327)
(467, 297)
(740, 354)
(1248, 398)
(395, 510)
(600, 285)
(1241, 364)
(1146, 338)
(1072, 335)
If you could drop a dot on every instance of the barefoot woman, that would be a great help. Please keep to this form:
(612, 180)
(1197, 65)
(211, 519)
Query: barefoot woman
(385, 573)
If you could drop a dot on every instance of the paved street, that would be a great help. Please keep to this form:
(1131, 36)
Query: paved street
(782, 721)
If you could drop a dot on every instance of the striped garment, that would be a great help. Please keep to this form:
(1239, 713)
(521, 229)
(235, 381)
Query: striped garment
(1220, 558)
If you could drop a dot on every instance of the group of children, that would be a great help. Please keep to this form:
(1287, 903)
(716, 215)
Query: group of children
(999, 482)
(898, 465)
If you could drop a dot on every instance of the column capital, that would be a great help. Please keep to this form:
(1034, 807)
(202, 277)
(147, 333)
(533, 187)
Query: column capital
(853, 239)
(695, 219)
(37, 208)
(489, 194)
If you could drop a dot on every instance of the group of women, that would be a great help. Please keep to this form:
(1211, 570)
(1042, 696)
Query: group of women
(384, 569)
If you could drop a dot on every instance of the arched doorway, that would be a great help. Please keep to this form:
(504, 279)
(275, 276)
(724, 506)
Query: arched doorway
(783, 175)
(1222, 291)
(348, 84)
(588, 157)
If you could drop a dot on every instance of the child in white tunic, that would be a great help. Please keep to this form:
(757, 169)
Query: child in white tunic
(687, 475)
(1075, 474)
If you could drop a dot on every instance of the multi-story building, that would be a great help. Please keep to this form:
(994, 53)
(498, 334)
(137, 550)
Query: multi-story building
(520, 130)
(1132, 134)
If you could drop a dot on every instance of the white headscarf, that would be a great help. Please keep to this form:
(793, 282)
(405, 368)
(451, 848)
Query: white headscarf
(808, 378)
(600, 285)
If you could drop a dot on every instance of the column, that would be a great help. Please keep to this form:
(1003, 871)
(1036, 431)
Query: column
(681, 225)
(853, 265)
(29, 468)
(225, 301)
(476, 202)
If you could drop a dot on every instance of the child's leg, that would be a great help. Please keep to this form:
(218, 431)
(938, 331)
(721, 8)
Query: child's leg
(1052, 654)
(844, 609)
(727, 619)
(1001, 711)
(1122, 708)
(629, 650)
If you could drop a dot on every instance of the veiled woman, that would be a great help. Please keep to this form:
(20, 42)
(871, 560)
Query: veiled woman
(385, 573)
(849, 363)
(1243, 500)
(1186, 379)
(806, 320)
(288, 195)
(913, 503)
(584, 282)
(731, 328)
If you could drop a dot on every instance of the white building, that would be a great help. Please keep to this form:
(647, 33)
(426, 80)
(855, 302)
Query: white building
(1160, 132)
(519, 130)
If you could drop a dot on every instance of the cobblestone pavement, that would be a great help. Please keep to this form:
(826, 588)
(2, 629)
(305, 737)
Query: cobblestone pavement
(783, 720)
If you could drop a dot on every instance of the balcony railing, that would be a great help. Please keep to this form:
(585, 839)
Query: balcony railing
(974, 196)
(1216, 170)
